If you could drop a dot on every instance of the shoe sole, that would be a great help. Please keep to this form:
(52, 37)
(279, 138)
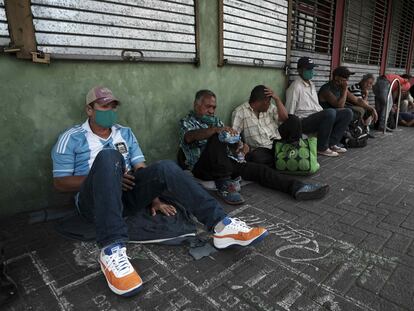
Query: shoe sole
(317, 194)
(229, 242)
(329, 154)
(233, 203)
(125, 293)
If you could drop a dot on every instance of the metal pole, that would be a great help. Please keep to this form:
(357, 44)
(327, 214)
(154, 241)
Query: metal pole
(390, 99)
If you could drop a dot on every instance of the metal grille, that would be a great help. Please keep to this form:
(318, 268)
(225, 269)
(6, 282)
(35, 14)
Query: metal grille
(4, 30)
(312, 25)
(148, 30)
(400, 37)
(412, 63)
(364, 31)
(312, 36)
(254, 32)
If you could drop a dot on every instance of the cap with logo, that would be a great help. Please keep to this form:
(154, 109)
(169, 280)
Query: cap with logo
(342, 72)
(101, 95)
(306, 63)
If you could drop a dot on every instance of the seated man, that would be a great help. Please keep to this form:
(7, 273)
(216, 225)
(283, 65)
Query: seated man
(103, 162)
(381, 89)
(302, 100)
(364, 111)
(209, 157)
(333, 95)
(406, 118)
(258, 122)
(407, 101)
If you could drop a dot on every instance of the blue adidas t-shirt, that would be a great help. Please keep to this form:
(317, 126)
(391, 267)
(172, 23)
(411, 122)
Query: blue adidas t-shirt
(77, 148)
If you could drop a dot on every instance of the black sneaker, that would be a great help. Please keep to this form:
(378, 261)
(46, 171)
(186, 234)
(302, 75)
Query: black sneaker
(387, 129)
(311, 191)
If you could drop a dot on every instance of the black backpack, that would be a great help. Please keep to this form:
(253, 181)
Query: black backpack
(356, 135)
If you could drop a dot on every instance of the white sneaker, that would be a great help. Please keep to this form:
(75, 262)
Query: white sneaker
(232, 231)
(338, 149)
(329, 153)
(119, 273)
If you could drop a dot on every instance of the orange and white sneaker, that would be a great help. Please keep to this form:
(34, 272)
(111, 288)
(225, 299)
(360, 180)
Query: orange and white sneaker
(233, 231)
(119, 273)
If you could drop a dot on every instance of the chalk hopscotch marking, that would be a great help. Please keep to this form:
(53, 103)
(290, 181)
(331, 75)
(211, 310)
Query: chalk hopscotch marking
(82, 252)
(296, 238)
(47, 278)
(300, 237)
(85, 254)
(200, 290)
(305, 240)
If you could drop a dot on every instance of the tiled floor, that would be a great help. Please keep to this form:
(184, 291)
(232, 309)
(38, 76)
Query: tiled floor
(352, 250)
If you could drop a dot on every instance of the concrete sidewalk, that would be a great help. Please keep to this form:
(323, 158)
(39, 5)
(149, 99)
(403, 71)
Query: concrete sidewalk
(352, 250)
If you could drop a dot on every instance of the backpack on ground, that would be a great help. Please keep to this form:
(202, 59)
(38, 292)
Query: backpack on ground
(356, 135)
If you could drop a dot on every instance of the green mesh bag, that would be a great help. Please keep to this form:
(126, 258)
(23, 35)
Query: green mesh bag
(297, 160)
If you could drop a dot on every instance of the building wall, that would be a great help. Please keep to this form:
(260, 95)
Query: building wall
(39, 101)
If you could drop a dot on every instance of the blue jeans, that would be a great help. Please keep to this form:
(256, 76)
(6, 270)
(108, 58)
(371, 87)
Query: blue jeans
(102, 200)
(407, 116)
(330, 124)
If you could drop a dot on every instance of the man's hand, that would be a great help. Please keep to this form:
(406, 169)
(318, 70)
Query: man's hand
(164, 208)
(344, 86)
(229, 129)
(365, 94)
(269, 92)
(246, 149)
(374, 114)
(128, 181)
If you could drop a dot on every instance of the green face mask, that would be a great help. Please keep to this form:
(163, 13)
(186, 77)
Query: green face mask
(105, 118)
(209, 120)
(308, 74)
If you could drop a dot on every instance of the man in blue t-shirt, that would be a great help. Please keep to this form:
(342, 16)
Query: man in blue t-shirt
(103, 162)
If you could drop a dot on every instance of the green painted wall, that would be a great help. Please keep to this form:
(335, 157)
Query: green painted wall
(40, 101)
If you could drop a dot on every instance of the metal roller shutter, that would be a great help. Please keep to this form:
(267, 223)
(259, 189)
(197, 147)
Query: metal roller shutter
(4, 30)
(364, 31)
(254, 32)
(148, 30)
(312, 36)
(400, 37)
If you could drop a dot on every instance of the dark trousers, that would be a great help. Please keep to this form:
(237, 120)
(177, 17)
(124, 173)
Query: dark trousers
(214, 164)
(381, 89)
(329, 124)
(290, 131)
(102, 200)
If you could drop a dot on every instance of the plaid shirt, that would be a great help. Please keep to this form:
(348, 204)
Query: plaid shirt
(193, 150)
(256, 132)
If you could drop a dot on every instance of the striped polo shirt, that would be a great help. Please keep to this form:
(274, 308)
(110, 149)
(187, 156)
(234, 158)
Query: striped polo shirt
(77, 148)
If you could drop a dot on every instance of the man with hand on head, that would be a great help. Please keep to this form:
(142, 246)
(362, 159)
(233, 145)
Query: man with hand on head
(261, 123)
(207, 147)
